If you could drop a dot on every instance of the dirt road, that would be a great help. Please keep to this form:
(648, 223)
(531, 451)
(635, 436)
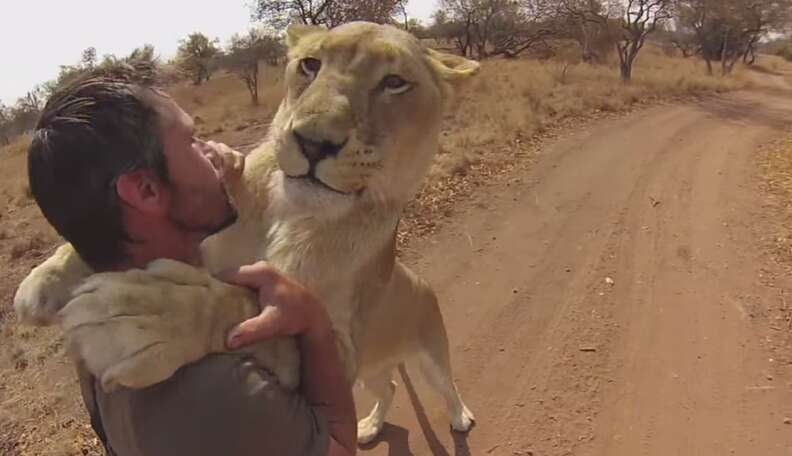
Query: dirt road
(668, 358)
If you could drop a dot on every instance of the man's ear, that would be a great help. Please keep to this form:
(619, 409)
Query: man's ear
(144, 192)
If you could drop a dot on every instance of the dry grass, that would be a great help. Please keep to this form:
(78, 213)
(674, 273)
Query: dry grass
(514, 99)
(30, 246)
(17, 148)
(775, 63)
(14, 186)
(222, 108)
(500, 120)
(775, 235)
(775, 66)
(776, 164)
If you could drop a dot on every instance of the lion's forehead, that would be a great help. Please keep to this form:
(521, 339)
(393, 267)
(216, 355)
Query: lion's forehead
(375, 47)
(358, 47)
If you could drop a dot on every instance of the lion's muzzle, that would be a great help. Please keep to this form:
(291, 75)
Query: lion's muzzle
(315, 151)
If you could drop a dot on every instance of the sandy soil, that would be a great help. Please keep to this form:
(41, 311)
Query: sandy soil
(616, 299)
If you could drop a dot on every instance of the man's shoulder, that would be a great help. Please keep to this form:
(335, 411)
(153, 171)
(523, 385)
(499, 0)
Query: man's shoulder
(216, 377)
(222, 404)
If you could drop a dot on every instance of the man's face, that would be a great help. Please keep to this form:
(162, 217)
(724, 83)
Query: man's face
(199, 203)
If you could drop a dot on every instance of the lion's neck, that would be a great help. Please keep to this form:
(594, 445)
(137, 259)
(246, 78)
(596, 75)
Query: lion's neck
(320, 253)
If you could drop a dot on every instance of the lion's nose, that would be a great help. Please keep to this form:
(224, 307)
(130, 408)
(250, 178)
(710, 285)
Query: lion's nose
(316, 151)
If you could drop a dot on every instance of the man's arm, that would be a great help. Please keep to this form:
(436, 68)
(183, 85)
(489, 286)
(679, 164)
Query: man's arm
(290, 310)
(325, 387)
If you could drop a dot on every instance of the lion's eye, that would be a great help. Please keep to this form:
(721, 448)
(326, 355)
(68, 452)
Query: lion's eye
(310, 66)
(395, 84)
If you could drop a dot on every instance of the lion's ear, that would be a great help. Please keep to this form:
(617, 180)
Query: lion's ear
(452, 68)
(296, 32)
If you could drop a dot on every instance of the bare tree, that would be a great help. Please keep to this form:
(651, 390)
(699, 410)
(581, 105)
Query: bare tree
(441, 27)
(279, 13)
(379, 11)
(730, 30)
(462, 16)
(88, 59)
(521, 26)
(195, 56)
(25, 112)
(696, 15)
(401, 11)
(483, 28)
(585, 20)
(5, 124)
(641, 17)
(245, 54)
(685, 42)
(746, 22)
(33, 100)
(488, 14)
(144, 53)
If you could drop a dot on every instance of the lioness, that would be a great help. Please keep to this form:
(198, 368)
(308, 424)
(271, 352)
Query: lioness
(320, 199)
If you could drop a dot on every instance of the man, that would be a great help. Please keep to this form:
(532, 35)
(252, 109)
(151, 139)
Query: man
(116, 168)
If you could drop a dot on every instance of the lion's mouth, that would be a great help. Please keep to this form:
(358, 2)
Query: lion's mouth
(313, 180)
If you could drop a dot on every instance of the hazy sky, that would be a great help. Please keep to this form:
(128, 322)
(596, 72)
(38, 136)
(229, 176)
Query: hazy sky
(37, 36)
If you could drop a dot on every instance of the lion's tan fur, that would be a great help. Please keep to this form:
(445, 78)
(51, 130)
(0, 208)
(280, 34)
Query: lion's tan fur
(339, 243)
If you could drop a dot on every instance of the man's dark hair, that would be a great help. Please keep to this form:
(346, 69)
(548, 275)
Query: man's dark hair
(91, 132)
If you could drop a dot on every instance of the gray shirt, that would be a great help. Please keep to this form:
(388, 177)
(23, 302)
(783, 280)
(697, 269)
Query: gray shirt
(224, 404)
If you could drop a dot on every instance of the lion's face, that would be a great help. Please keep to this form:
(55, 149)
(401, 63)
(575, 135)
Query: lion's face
(361, 114)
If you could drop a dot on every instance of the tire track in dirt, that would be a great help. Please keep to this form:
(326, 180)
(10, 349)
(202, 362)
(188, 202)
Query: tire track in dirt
(553, 360)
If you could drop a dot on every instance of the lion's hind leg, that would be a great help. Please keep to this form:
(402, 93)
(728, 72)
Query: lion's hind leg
(434, 360)
(435, 365)
(406, 325)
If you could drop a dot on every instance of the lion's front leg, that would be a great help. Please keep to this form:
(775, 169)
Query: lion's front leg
(136, 328)
(348, 353)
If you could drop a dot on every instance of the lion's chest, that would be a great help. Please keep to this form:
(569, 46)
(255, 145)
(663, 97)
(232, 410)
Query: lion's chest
(322, 262)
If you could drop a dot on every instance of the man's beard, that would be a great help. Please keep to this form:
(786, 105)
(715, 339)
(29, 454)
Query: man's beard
(206, 228)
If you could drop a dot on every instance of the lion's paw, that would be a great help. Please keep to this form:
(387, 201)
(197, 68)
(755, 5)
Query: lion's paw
(368, 429)
(49, 287)
(39, 298)
(137, 328)
(463, 420)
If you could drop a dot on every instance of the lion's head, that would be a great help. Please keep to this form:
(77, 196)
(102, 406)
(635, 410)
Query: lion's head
(361, 113)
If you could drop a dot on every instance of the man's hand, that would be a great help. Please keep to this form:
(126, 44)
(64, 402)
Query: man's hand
(287, 308)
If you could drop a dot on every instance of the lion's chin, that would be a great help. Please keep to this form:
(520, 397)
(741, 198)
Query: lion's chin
(300, 196)
(309, 179)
